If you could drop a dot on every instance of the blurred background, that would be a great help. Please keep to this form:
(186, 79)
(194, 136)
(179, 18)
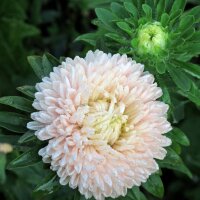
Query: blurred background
(30, 27)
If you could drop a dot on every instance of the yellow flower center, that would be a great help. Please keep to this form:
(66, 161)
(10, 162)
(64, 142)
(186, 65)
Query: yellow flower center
(106, 120)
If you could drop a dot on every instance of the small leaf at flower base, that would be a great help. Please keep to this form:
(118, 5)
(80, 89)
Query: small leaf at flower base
(17, 102)
(131, 9)
(13, 122)
(2, 168)
(180, 78)
(173, 161)
(90, 38)
(160, 9)
(125, 27)
(26, 159)
(147, 10)
(27, 137)
(161, 67)
(36, 64)
(48, 185)
(27, 90)
(179, 136)
(154, 185)
(165, 19)
(136, 194)
(186, 22)
(178, 4)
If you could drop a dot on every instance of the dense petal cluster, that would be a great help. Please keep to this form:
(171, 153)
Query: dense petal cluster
(103, 123)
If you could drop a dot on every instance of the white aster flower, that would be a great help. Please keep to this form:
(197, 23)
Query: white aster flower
(103, 123)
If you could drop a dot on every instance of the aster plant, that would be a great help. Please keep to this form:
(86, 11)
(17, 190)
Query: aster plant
(160, 34)
(104, 125)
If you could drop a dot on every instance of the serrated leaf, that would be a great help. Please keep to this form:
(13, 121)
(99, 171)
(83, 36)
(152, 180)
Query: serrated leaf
(48, 185)
(13, 122)
(147, 10)
(180, 78)
(17, 102)
(27, 90)
(131, 9)
(179, 136)
(125, 27)
(173, 161)
(27, 137)
(26, 159)
(154, 185)
(2, 168)
(90, 38)
(178, 4)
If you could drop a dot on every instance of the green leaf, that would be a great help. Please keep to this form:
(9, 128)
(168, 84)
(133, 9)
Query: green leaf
(27, 137)
(17, 102)
(28, 90)
(178, 4)
(90, 38)
(2, 168)
(11, 139)
(154, 186)
(106, 17)
(118, 10)
(48, 185)
(193, 94)
(51, 60)
(36, 64)
(161, 67)
(47, 65)
(26, 159)
(186, 22)
(13, 122)
(165, 19)
(194, 12)
(179, 136)
(180, 78)
(131, 9)
(42, 66)
(125, 27)
(190, 68)
(173, 161)
(136, 194)
(160, 8)
(147, 10)
(117, 38)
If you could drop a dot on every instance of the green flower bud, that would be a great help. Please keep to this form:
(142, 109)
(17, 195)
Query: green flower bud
(152, 39)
